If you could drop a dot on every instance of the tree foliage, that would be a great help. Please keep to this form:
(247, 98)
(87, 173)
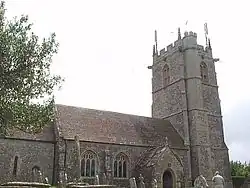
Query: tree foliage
(25, 75)
(240, 169)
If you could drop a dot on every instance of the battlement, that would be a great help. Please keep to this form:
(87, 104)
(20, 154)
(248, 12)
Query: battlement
(190, 34)
(188, 41)
(177, 45)
(171, 48)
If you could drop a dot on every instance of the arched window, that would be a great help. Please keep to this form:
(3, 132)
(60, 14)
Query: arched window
(204, 72)
(89, 164)
(121, 166)
(166, 76)
(15, 166)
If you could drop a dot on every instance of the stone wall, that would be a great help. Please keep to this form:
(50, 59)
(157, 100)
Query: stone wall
(30, 153)
(132, 152)
(221, 162)
(168, 100)
(216, 131)
(211, 101)
(177, 121)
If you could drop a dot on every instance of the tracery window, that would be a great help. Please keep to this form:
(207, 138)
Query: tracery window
(204, 72)
(166, 76)
(89, 164)
(121, 166)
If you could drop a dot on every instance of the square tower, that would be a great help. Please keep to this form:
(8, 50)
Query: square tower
(185, 92)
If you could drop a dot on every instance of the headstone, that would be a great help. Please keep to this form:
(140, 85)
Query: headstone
(154, 183)
(132, 183)
(141, 182)
(46, 180)
(200, 182)
(97, 182)
(218, 180)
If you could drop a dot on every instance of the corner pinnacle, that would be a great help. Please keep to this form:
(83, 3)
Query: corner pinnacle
(179, 33)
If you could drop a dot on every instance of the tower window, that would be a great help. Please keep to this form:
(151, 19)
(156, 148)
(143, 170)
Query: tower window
(89, 164)
(121, 166)
(204, 72)
(166, 76)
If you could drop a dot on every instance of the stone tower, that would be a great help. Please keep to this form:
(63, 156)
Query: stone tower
(185, 92)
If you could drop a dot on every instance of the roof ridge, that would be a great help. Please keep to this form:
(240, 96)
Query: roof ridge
(108, 111)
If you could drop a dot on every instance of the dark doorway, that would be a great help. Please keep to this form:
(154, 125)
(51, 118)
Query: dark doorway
(167, 179)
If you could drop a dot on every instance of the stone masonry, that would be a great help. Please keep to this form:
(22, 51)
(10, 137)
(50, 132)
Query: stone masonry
(190, 101)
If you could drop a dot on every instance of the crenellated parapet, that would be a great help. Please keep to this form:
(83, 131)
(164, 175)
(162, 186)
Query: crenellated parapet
(170, 50)
(188, 41)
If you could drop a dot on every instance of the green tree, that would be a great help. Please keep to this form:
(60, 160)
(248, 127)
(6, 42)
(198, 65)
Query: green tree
(25, 76)
(240, 169)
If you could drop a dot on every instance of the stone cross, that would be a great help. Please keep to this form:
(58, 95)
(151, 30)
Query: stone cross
(132, 183)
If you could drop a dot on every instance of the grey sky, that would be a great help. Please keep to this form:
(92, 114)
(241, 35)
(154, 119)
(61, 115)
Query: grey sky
(105, 47)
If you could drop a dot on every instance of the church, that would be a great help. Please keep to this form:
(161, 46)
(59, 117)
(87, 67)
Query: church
(183, 139)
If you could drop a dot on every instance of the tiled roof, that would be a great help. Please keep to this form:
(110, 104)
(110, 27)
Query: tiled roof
(46, 134)
(113, 127)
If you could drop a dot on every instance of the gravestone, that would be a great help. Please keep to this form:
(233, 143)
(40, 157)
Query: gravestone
(200, 182)
(132, 183)
(46, 180)
(218, 180)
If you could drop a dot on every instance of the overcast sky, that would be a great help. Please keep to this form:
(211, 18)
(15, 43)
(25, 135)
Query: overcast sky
(106, 46)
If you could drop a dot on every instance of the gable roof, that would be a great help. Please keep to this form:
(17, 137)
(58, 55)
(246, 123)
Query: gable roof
(112, 127)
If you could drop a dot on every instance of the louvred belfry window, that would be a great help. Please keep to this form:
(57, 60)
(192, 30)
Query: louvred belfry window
(204, 72)
(166, 76)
